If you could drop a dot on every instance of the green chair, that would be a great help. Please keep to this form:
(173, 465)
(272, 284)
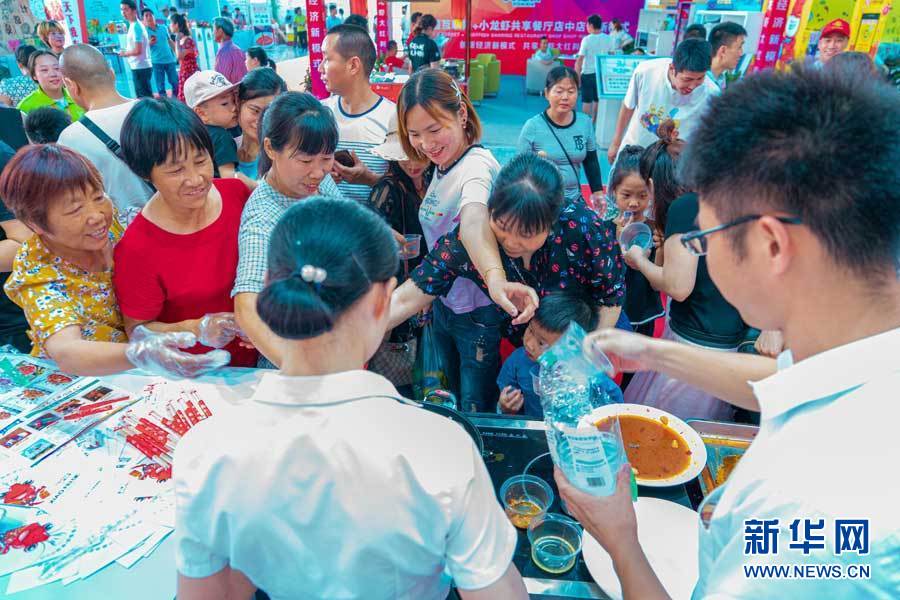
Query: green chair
(476, 82)
(484, 59)
(491, 73)
(555, 53)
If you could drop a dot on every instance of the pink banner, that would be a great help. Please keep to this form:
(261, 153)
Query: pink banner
(771, 34)
(512, 29)
(315, 29)
(382, 26)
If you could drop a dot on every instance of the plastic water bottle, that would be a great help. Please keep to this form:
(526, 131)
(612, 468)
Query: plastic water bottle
(589, 457)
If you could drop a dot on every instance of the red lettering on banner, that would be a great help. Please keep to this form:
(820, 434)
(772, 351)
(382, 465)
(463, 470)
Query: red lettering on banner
(315, 11)
(382, 33)
(771, 35)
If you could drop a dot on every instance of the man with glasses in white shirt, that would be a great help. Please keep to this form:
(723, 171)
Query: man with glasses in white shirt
(800, 224)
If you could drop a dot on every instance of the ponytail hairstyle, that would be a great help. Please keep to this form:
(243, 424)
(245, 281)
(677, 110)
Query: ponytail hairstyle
(441, 97)
(426, 22)
(324, 255)
(528, 194)
(659, 162)
(628, 162)
(180, 23)
(297, 120)
(260, 55)
(259, 83)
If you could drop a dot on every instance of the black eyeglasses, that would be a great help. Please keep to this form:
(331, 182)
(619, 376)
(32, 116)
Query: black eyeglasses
(696, 244)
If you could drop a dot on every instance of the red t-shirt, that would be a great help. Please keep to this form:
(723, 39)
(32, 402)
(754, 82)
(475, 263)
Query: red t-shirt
(393, 62)
(169, 277)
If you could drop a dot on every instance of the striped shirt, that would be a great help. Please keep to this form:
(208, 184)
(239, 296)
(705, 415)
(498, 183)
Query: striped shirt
(360, 133)
(262, 212)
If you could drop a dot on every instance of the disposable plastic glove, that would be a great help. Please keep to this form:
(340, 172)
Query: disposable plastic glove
(159, 353)
(217, 330)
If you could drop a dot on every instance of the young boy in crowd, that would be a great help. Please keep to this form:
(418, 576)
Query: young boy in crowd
(212, 97)
(553, 316)
(391, 60)
(43, 125)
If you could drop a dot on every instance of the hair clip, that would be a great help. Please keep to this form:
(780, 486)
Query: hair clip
(457, 90)
(313, 274)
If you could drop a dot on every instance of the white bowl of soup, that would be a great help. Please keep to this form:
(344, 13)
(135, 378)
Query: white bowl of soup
(662, 449)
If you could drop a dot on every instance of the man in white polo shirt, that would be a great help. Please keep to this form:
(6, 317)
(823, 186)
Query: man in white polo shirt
(363, 117)
(800, 222)
(674, 88)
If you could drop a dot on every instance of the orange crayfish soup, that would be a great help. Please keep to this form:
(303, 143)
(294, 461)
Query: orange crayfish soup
(655, 451)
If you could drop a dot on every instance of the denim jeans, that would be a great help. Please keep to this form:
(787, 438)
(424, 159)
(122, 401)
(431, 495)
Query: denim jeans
(469, 346)
(160, 73)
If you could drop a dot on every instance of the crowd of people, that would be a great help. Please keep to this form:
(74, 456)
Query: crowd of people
(233, 222)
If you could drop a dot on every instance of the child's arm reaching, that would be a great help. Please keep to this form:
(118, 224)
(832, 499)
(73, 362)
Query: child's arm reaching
(511, 400)
(511, 397)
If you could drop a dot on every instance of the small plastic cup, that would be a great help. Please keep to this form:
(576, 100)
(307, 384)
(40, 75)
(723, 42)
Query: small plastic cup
(555, 542)
(411, 247)
(600, 360)
(636, 234)
(525, 498)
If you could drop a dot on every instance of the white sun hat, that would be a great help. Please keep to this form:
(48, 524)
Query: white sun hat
(391, 149)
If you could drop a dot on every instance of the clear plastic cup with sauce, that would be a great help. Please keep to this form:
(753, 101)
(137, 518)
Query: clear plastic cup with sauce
(525, 497)
(411, 247)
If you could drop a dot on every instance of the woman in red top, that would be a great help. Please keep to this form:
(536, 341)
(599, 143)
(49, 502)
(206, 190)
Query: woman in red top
(187, 50)
(175, 265)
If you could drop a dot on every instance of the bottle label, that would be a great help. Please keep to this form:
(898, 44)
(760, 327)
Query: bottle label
(594, 460)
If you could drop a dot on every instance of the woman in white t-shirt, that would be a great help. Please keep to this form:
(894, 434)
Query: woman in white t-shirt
(326, 484)
(437, 122)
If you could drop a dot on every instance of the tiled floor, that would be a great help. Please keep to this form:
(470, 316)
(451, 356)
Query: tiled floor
(502, 119)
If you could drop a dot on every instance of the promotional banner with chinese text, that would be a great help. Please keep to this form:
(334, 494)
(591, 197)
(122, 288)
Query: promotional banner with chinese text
(315, 27)
(512, 29)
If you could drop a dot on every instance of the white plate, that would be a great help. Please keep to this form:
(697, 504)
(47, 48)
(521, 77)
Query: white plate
(668, 535)
(694, 442)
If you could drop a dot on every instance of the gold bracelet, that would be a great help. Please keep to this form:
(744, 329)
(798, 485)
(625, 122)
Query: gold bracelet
(486, 271)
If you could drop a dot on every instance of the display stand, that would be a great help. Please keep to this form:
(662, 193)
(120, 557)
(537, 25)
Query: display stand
(613, 76)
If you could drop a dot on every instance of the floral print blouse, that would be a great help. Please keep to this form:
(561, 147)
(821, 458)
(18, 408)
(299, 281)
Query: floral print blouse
(581, 254)
(55, 294)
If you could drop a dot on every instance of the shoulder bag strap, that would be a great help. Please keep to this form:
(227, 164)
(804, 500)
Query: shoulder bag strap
(104, 138)
(107, 141)
(561, 147)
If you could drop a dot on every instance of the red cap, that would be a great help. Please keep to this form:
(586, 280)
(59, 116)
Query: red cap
(837, 26)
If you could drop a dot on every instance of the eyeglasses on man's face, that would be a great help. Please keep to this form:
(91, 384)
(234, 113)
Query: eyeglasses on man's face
(696, 242)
